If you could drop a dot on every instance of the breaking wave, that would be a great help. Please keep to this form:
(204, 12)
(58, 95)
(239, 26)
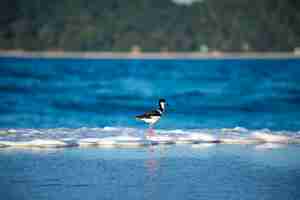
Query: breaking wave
(127, 136)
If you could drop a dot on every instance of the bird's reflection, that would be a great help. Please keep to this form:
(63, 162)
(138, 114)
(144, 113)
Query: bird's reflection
(152, 163)
(156, 154)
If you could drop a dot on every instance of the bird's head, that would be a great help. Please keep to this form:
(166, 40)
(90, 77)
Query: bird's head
(162, 104)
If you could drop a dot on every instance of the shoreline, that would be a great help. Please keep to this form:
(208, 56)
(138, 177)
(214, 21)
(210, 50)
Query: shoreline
(149, 55)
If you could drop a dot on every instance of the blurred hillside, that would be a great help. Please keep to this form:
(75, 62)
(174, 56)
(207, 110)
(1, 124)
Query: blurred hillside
(152, 25)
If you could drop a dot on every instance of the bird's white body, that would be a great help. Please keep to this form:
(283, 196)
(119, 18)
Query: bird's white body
(152, 120)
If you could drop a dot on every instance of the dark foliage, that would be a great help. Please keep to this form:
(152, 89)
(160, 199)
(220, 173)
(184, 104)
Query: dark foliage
(153, 25)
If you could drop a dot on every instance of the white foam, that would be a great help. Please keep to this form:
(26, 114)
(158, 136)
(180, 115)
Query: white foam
(118, 129)
(109, 128)
(33, 131)
(184, 140)
(272, 138)
(41, 143)
(161, 139)
(203, 137)
(127, 136)
(235, 129)
(269, 146)
(203, 145)
(238, 141)
(196, 137)
(122, 140)
(128, 141)
(175, 131)
(88, 141)
(12, 131)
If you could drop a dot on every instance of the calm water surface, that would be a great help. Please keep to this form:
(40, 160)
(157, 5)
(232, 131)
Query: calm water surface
(170, 172)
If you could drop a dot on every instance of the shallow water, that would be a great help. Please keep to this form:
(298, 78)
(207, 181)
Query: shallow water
(161, 172)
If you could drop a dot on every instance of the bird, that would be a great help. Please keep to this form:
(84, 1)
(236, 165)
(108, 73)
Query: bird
(153, 116)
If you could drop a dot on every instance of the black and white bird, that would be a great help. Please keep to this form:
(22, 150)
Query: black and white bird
(153, 116)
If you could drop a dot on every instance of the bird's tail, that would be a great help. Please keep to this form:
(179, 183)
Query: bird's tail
(138, 117)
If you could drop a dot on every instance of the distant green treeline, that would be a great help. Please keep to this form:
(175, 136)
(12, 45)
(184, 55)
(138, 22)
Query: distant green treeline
(152, 25)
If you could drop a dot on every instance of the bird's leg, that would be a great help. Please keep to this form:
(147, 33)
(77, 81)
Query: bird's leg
(151, 131)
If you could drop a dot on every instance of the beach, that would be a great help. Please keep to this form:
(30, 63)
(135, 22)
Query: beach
(149, 55)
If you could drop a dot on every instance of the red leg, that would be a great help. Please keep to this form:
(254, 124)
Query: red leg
(151, 131)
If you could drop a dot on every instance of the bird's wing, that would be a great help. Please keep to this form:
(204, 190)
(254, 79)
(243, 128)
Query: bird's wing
(149, 114)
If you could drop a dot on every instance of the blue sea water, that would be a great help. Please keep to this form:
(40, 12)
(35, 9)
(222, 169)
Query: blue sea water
(208, 93)
(238, 120)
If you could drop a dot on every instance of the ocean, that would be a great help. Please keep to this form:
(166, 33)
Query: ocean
(231, 128)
